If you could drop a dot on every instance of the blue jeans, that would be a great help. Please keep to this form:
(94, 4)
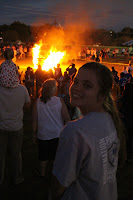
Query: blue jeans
(10, 148)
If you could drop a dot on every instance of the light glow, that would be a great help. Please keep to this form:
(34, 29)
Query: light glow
(53, 59)
(36, 53)
(47, 59)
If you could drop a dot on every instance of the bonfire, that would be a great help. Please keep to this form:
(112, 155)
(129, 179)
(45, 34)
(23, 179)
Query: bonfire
(48, 59)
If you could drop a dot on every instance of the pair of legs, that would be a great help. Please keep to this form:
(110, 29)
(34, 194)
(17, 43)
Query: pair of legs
(10, 148)
(46, 154)
(43, 167)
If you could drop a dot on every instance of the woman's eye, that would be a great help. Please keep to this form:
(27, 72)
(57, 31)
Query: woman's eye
(86, 85)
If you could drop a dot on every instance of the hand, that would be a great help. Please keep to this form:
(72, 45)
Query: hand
(34, 139)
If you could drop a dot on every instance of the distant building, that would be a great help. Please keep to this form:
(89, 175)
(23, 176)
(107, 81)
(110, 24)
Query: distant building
(128, 43)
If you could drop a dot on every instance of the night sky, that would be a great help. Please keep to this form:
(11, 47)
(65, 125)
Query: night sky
(107, 14)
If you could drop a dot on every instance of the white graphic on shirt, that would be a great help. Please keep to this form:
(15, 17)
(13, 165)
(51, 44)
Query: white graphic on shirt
(109, 153)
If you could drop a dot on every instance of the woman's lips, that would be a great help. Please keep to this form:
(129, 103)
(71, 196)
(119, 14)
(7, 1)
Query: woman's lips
(76, 96)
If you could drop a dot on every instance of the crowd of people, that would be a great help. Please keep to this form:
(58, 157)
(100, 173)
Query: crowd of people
(33, 80)
(122, 92)
(120, 81)
(20, 50)
(80, 122)
(97, 53)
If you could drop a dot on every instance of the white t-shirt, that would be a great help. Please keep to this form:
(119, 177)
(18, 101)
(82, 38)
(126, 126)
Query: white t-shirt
(50, 122)
(12, 101)
(86, 158)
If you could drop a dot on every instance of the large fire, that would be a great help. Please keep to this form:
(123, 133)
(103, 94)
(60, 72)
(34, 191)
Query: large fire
(36, 54)
(48, 59)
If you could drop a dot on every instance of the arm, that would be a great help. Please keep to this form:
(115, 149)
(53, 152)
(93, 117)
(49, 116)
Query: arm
(27, 105)
(65, 114)
(65, 171)
(57, 190)
(68, 68)
(34, 121)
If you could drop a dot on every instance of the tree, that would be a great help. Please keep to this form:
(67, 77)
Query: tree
(10, 36)
(104, 37)
(23, 30)
(127, 31)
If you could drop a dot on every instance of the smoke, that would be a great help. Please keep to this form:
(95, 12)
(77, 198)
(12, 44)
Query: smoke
(71, 22)
(73, 16)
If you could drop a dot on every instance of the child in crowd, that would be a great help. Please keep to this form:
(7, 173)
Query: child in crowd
(9, 76)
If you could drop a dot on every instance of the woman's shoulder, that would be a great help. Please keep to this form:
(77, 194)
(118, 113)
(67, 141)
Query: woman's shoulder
(73, 126)
(55, 99)
(8, 64)
(3, 63)
(92, 120)
(22, 87)
(70, 130)
(89, 125)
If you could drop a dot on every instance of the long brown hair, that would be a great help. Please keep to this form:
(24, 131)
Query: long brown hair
(49, 89)
(105, 80)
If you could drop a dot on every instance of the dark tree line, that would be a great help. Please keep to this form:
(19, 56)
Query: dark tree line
(109, 37)
(26, 33)
(16, 31)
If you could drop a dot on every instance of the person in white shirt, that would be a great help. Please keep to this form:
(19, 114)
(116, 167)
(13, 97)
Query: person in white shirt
(49, 116)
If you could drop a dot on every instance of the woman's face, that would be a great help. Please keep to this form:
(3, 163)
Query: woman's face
(84, 92)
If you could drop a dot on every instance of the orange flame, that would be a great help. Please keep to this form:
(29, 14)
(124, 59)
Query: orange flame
(36, 53)
(48, 61)
(53, 59)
